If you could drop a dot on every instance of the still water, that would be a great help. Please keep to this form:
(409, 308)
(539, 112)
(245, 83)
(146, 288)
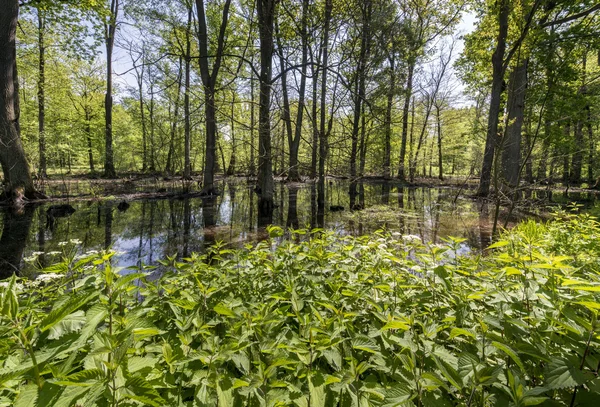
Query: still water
(145, 231)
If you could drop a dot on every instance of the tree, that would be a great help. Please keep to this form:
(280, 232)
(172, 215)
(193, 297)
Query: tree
(209, 81)
(110, 29)
(266, 19)
(18, 184)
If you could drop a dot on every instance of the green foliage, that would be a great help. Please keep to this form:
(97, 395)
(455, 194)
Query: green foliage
(317, 320)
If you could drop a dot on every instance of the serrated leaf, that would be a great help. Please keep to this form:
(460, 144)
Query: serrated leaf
(511, 353)
(71, 305)
(564, 373)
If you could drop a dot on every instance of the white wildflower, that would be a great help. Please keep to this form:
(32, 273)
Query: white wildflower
(48, 277)
(411, 238)
(75, 241)
(63, 243)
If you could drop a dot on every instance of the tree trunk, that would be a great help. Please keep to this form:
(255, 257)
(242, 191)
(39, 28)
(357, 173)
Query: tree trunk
(405, 113)
(266, 17)
(323, 134)
(110, 29)
(388, 119)
(359, 93)
(511, 145)
(169, 166)
(577, 158)
(231, 167)
(41, 94)
(143, 120)
(315, 128)
(439, 143)
(88, 136)
(187, 166)
(495, 101)
(286, 116)
(252, 170)
(592, 148)
(17, 177)
(294, 144)
(209, 79)
(152, 166)
(566, 152)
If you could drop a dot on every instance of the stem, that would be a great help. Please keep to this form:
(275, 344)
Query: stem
(36, 369)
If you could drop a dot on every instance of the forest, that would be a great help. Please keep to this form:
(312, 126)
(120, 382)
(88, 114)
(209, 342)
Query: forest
(310, 203)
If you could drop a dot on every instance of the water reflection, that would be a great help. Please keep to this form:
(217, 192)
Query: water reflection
(149, 230)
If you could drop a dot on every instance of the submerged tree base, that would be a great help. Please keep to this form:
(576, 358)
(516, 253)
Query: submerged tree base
(318, 320)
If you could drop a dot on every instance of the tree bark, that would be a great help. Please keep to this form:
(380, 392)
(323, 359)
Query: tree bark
(266, 17)
(294, 144)
(439, 143)
(41, 94)
(495, 101)
(405, 113)
(209, 79)
(187, 166)
(323, 133)
(388, 119)
(286, 115)
(18, 183)
(359, 92)
(511, 145)
(110, 28)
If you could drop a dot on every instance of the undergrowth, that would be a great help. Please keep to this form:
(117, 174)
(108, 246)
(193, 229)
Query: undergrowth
(316, 320)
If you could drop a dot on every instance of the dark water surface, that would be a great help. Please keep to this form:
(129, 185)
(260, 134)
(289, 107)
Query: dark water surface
(149, 230)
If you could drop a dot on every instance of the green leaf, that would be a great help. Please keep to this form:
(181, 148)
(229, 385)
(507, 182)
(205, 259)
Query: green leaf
(449, 372)
(511, 353)
(28, 396)
(221, 309)
(500, 243)
(71, 305)
(140, 390)
(564, 373)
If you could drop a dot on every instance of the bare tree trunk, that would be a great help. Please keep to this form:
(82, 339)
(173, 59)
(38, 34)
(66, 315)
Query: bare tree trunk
(360, 91)
(88, 135)
(169, 167)
(287, 119)
(315, 128)
(439, 143)
(17, 177)
(322, 130)
(209, 79)
(592, 148)
(110, 28)
(143, 120)
(187, 166)
(41, 94)
(388, 119)
(252, 170)
(231, 167)
(511, 151)
(294, 144)
(566, 152)
(405, 113)
(152, 166)
(266, 17)
(496, 100)
(577, 158)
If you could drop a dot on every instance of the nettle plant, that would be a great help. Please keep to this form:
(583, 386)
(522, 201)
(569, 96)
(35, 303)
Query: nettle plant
(317, 320)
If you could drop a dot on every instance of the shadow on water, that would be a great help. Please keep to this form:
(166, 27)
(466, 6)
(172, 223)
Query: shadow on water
(145, 231)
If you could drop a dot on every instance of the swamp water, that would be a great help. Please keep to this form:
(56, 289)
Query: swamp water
(145, 231)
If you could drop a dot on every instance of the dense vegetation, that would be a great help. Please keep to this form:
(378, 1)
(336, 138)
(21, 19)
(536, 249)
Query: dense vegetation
(300, 88)
(315, 320)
